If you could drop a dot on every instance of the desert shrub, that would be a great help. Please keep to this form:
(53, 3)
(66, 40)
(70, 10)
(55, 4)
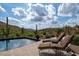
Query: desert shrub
(76, 40)
(30, 35)
(44, 33)
(17, 35)
(48, 35)
(12, 35)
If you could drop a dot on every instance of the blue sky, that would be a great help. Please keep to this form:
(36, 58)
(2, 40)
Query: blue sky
(45, 15)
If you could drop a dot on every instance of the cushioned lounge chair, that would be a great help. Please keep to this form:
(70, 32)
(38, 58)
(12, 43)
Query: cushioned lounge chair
(62, 44)
(52, 49)
(55, 39)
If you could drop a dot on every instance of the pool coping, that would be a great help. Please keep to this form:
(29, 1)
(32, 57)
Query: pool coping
(17, 38)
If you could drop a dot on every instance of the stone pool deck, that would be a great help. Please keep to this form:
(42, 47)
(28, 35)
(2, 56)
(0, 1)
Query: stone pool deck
(29, 50)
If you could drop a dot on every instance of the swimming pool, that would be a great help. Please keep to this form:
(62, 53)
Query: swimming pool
(11, 44)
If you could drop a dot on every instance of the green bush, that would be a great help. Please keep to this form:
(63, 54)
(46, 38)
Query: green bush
(76, 40)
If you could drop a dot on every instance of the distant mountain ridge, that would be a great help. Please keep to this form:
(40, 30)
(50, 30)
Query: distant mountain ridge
(3, 25)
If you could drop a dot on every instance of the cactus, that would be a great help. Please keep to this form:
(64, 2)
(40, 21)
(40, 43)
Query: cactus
(22, 31)
(7, 28)
(7, 33)
(36, 30)
(36, 33)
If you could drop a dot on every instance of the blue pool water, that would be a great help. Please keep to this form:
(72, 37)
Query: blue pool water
(11, 44)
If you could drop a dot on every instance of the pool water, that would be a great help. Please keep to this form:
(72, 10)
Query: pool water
(11, 44)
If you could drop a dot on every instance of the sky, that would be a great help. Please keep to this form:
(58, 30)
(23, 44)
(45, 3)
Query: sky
(45, 15)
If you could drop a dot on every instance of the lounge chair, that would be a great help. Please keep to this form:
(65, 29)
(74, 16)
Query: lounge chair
(72, 49)
(64, 42)
(53, 49)
(55, 39)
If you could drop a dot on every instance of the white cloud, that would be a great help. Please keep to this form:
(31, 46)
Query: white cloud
(2, 9)
(16, 22)
(19, 11)
(50, 23)
(51, 10)
(55, 18)
(30, 6)
(68, 9)
(13, 21)
(72, 21)
(38, 4)
(50, 17)
(30, 16)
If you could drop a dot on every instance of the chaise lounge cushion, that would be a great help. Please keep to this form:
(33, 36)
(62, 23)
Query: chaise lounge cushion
(53, 52)
(47, 52)
(48, 45)
(55, 39)
(61, 45)
(66, 40)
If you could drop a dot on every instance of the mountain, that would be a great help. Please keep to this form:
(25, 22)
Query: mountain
(3, 25)
(15, 31)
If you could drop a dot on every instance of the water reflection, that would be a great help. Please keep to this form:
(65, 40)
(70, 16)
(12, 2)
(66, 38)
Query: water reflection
(11, 44)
